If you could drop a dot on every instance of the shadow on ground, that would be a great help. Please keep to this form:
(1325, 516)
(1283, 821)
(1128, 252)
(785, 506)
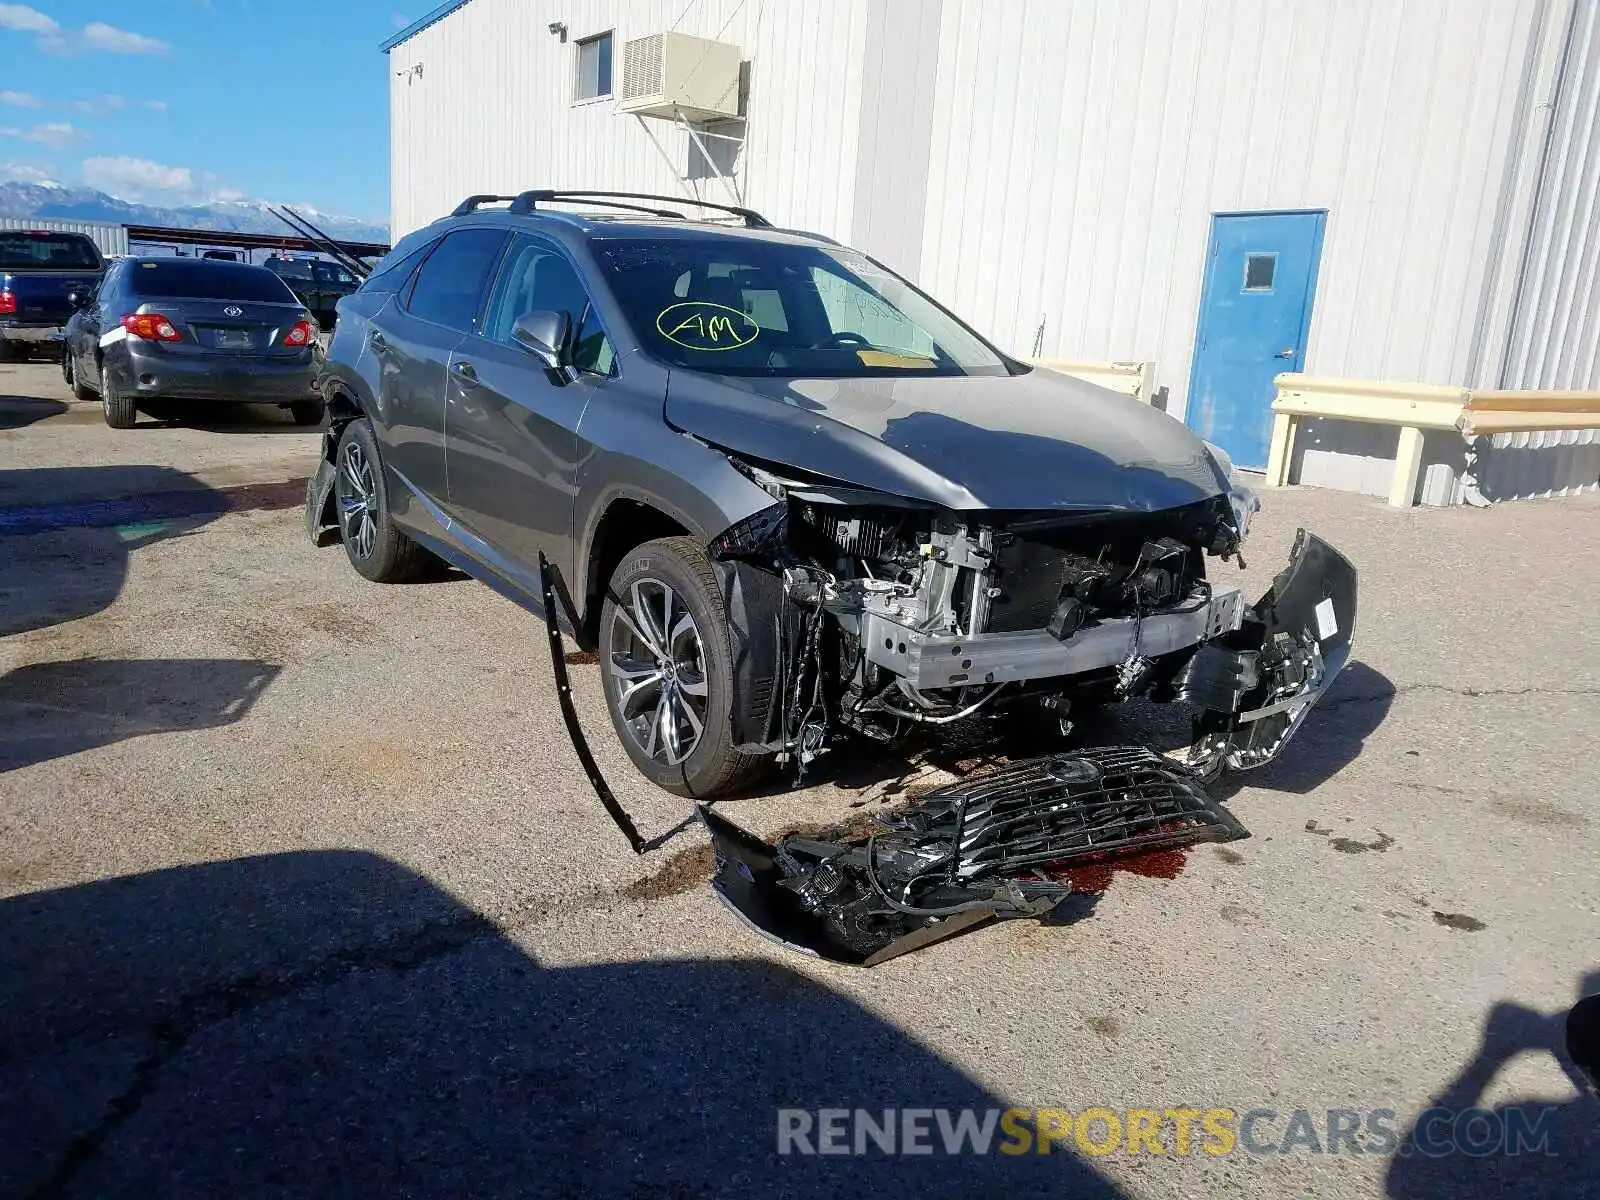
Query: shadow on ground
(328, 1024)
(223, 417)
(52, 709)
(1432, 1163)
(67, 537)
(18, 412)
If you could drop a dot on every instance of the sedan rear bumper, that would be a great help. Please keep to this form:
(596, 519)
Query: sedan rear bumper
(149, 374)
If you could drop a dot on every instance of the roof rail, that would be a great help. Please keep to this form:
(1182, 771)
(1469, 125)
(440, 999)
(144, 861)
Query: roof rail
(529, 200)
(472, 203)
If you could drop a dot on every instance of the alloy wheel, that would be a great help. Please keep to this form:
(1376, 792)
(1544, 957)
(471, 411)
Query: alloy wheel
(658, 671)
(358, 499)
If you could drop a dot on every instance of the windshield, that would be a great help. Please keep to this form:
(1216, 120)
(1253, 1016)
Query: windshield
(33, 250)
(739, 306)
(205, 280)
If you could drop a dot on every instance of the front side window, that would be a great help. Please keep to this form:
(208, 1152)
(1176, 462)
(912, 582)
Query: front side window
(449, 287)
(591, 348)
(746, 306)
(594, 68)
(538, 278)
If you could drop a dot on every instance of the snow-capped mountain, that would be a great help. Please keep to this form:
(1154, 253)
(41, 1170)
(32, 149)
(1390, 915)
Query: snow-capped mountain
(24, 199)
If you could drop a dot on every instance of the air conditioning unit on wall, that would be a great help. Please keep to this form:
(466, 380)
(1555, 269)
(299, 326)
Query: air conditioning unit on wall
(673, 74)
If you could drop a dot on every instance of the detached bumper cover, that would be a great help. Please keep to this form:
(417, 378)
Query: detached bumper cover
(1255, 686)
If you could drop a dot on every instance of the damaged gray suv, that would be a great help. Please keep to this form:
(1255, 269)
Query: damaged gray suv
(786, 497)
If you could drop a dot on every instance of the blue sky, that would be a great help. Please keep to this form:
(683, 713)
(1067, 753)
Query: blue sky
(191, 100)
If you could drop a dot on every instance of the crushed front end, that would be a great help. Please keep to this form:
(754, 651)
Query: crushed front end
(855, 612)
(860, 613)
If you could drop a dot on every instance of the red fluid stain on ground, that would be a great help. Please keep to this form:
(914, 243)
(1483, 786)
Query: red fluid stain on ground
(1097, 877)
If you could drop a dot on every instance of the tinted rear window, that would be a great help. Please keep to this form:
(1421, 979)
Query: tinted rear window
(290, 268)
(24, 251)
(181, 280)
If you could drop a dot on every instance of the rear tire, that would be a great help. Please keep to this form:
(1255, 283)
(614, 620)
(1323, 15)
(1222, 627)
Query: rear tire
(672, 576)
(120, 411)
(373, 543)
(69, 372)
(307, 412)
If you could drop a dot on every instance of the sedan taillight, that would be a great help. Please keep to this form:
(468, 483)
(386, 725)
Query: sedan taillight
(300, 335)
(152, 327)
(8, 304)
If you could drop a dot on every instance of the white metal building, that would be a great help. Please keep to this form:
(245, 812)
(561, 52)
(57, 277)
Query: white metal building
(1062, 172)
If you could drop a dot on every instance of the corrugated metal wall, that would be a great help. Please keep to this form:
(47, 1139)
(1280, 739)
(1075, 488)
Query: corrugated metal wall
(492, 109)
(111, 239)
(1081, 149)
(1059, 161)
(1555, 342)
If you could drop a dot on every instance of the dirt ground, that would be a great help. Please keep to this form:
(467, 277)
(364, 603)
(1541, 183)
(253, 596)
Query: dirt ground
(302, 891)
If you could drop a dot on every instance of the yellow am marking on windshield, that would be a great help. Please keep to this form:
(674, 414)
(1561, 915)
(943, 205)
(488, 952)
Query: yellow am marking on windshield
(702, 325)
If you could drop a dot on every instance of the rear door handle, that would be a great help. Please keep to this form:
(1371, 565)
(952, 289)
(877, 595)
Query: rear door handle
(377, 341)
(464, 371)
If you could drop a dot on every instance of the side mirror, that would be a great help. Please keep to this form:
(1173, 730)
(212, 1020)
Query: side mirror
(544, 334)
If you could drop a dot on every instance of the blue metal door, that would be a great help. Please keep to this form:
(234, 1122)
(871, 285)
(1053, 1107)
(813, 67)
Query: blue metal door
(1254, 313)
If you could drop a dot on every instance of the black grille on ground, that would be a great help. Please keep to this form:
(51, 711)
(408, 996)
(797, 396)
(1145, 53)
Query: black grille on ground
(1067, 809)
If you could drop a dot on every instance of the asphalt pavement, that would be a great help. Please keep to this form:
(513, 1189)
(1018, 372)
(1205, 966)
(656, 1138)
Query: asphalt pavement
(303, 893)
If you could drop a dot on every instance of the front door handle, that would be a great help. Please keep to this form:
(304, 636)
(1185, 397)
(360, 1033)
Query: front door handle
(1286, 352)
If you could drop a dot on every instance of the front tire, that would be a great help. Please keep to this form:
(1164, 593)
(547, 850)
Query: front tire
(120, 410)
(668, 670)
(373, 543)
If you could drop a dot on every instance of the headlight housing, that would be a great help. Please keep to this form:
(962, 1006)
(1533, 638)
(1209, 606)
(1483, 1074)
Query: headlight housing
(1242, 498)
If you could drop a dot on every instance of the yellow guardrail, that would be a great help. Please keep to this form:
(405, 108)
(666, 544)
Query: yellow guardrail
(1416, 407)
(1136, 379)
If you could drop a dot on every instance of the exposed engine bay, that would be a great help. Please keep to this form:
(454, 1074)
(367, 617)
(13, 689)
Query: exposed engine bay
(865, 614)
(853, 613)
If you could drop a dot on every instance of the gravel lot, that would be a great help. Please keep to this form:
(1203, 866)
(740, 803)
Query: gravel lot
(301, 890)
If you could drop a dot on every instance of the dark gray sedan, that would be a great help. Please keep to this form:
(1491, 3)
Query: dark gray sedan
(161, 335)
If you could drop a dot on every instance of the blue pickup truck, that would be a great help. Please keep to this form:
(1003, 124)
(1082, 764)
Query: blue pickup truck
(40, 269)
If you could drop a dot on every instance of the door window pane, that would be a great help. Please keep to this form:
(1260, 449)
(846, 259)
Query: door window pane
(538, 278)
(1258, 272)
(592, 350)
(450, 286)
(594, 67)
